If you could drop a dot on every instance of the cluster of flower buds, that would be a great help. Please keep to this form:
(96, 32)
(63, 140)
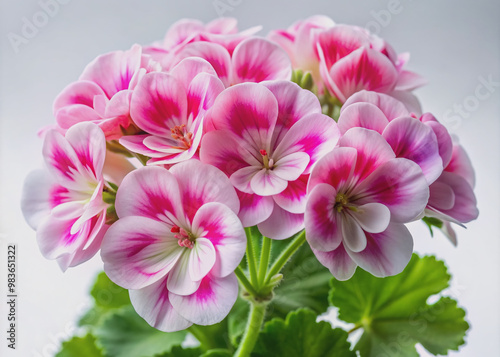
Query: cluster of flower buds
(161, 155)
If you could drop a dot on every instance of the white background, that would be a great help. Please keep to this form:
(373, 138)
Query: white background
(454, 43)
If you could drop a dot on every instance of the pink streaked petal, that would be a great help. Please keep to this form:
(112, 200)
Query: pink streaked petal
(80, 92)
(293, 104)
(290, 167)
(335, 168)
(153, 305)
(89, 145)
(37, 197)
(100, 103)
(116, 167)
(362, 115)
(242, 178)
(314, 134)
(323, 230)
(113, 127)
(266, 183)
(181, 32)
(220, 226)
(201, 183)
(415, 141)
(215, 54)
(159, 104)
(179, 280)
(442, 196)
(398, 184)
(378, 73)
(201, 259)
(135, 143)
(163, 145)
(257, 60)
(409, 100)
(293, 198)
(138, 251)
(254, 208)
(119, 105)
(68, 210)
(188, 68)
(372, 150)
(230, 41)
(222, 25)
(281, 224)
(226, 151)
(461, 165)
(386, 253)
(70, 115)
(353, 235)
(371, 217)
(338, 262)
(444, 140)
(94, 207)
(408, 81)
(250, 111)
(202, 92)
(150, 192)
(391, 107)
(211, 303)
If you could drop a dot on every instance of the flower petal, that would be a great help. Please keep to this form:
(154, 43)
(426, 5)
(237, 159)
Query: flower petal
(254, 208)
(179, 280)
(281, 224)
(362, 115)
(338, 262)
(372, 217)
(241, 178)
(266, 183)
(39, 197)
(391, 107)
(290, 167)
(353, 235)
(201, 259)
(335, 168)
(293, 198)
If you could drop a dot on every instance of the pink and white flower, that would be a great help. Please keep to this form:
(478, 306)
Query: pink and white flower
(170, 109)
(424, 141)
(452, 198)
(102, 93)
(176, 244)
(360, 196)
(64, 202)
(253, 60)
(266, 138)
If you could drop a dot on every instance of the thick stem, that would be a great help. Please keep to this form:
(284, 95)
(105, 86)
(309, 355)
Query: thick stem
(265, 254)
(252, 263)
(244, 281)
(286, 255)
(201, 337)
(255, 320)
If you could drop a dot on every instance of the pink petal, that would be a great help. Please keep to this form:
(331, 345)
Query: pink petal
(248, 110)
(442, 196)
(73, 114)
(153, 305)
(338, 262)
(181, 32)
(138, 251)
(372, 150)
(80, 92)
(362, 115)
(321, 219)
(266, 183)
(254, 208)
(408, 81)
(293, 198)
(377, 74)
(353, 235)
(135, 143)
(150, 192)
(89, 145)
(242, 178)
(220, 227)
(413, 140)
(339, 41)
(281, 224)
(371, 217)
(38, 197)
(335, 168)
(223, 25)
(444, 140)
(386, 253)
(391, 107)
(211, 303)
(116, 167)
(314, 134)
(461, 165)
(398, 184)
(201, 183)
(159, 104)
(202, 92)
(409, 100)
(201, 259)
(290, 167)
(188, 68)
(113, 71)
(179, 280)
(257, 60)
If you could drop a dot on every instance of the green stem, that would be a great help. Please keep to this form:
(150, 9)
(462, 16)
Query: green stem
(201, 337)
(265, 254)
(255, 320)
(286, 255)
(252, 263)
(244, 281)
(143, 159)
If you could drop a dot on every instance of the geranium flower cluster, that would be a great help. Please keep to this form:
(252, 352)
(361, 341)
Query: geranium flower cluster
(161, 155)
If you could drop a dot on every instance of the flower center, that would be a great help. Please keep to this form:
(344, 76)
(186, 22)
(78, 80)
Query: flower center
(181, 134)
(268, 163)
(341, 202)
(185, 238)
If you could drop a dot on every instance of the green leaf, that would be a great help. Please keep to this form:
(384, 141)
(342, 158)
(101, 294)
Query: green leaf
(123, 333)
(178, 351)
(107, 297)
(394, 312)
(301, 336)
(217, 353)
(80, 347)
(432, 222)
(212, 336)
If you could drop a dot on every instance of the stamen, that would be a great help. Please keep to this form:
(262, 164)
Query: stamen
(175, 229)
(268, 163)
(185, 239)
(341, 202)
(179, 133)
